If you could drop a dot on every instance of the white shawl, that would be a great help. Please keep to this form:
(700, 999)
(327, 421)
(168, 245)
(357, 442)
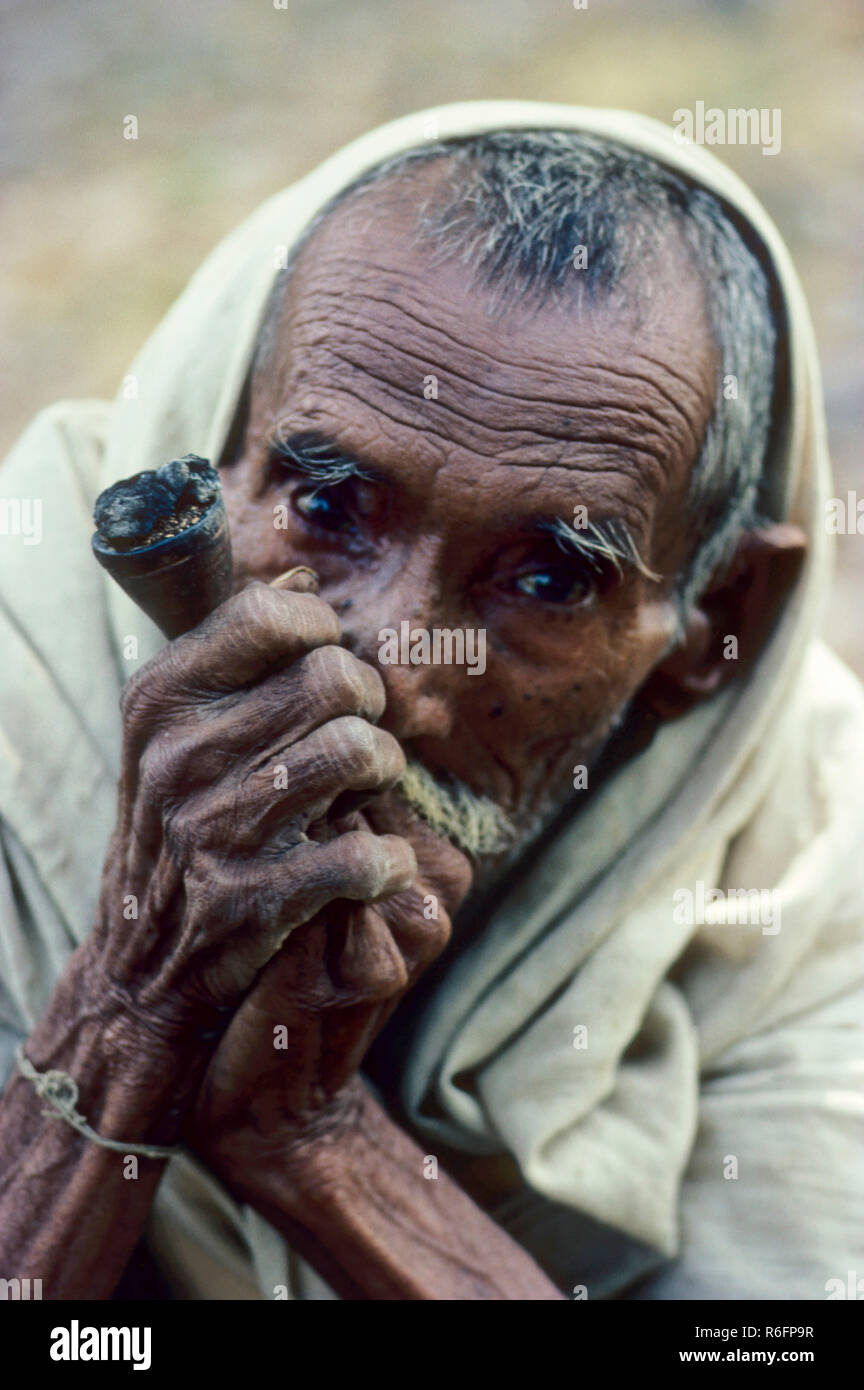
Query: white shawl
(708, 1134)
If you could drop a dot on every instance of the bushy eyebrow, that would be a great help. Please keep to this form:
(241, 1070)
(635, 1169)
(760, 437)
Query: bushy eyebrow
(317, 456)
(599, 542)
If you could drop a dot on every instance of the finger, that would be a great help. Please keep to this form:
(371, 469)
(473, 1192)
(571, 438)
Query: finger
(243, 640)
(358, 866)
(239, 912)
(299, 784)
(300, 580)
(439, 860)
(419, 923)
(370, 965)
(264, 809)
(280, 711)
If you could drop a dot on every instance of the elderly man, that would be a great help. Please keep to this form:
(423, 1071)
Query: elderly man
(540, 378)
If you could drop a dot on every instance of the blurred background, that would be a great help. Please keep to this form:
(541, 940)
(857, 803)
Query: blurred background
(235, 99)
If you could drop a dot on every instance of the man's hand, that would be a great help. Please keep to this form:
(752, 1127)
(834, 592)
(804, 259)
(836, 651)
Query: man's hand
(283, 1078)
(296, 1134)
(293, 1131)
(237, 737)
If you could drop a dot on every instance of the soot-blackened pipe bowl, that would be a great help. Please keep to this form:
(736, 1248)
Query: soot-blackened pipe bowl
(179, 579)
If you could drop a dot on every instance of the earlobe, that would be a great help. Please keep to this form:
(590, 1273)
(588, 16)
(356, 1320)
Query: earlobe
(729, 625)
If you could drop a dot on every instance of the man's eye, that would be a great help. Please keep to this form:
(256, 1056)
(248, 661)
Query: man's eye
(324, 507)
(554, 584)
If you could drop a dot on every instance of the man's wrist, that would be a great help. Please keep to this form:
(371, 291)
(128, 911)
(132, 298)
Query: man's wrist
(134, 1082)
(298, 1165)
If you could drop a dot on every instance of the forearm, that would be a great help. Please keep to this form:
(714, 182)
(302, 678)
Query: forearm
(360, 1209)
(71, 1211)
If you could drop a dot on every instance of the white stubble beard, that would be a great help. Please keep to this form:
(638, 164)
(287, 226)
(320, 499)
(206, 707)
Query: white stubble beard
(477, 824)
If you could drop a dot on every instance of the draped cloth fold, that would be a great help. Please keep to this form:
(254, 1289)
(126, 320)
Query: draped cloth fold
(706, 1136)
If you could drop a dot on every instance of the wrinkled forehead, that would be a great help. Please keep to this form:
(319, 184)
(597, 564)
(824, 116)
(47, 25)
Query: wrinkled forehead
(368, 263)
(375, 319)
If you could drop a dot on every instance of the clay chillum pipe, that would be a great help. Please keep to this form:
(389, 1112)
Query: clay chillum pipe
(163, 536)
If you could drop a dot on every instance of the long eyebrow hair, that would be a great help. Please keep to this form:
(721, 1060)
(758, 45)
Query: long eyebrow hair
(316, 456)
(599, 541)
(322, 460)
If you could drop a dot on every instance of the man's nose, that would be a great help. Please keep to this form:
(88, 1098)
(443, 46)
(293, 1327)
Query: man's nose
(421, 699)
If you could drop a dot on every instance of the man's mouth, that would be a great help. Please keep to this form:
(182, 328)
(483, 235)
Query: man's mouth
(474, 823)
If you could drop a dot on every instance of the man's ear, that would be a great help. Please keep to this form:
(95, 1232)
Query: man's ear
(727, 627)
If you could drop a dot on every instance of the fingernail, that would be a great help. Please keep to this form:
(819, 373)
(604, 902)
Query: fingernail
(300, 580)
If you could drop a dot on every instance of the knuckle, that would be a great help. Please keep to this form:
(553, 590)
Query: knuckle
(312, 617)
(369, 754)
(255, 610)
(166, 764)
(363, 863)
(387, 977)
(139, 696)
(149, 694)
(434, 939)
(270, 616)
(186, 835)
(152, 771)
(263, 897)
(349, 683)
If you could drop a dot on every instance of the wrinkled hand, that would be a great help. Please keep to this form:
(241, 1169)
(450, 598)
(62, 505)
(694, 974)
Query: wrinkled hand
(237, 738)
(284, 1077)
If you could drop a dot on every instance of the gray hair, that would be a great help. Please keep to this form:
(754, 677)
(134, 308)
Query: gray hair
(514, 207)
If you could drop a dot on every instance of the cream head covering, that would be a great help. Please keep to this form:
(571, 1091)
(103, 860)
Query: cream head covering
(685, 1023)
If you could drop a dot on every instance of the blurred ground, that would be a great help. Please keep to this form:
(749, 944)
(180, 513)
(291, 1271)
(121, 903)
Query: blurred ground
(236, 99)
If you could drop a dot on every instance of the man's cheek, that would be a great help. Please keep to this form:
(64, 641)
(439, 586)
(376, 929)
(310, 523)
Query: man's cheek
(571, 725)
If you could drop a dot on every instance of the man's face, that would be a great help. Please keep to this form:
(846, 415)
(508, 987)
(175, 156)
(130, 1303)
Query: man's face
(533, 412)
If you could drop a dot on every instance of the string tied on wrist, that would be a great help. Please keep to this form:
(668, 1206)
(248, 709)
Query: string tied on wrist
(61, 1092)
